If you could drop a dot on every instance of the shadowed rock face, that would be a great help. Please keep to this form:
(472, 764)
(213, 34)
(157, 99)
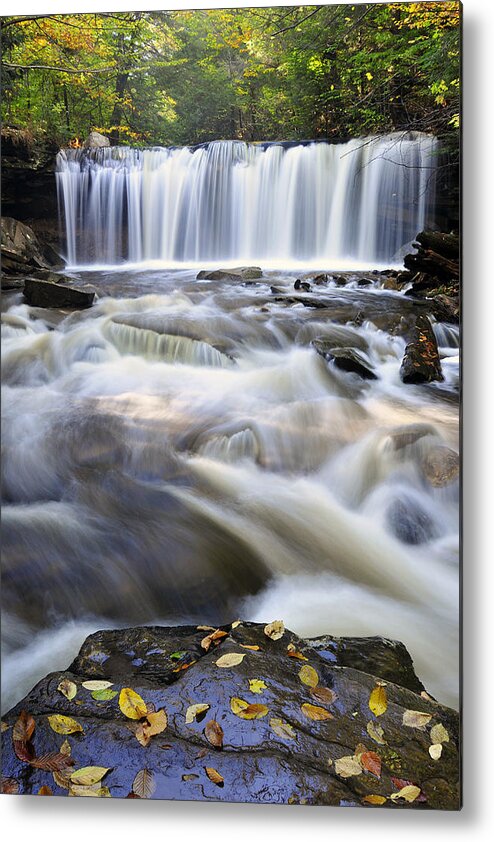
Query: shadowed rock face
(421, 362)
(260, 759)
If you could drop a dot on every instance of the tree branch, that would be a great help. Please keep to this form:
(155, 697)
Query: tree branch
(59, 69)
(298, 22)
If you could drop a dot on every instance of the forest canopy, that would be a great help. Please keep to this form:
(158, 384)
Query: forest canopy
(187, 77)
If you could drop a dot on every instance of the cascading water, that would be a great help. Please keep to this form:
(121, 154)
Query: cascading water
(232, 201)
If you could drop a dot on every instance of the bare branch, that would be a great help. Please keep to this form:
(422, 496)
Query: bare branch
(298, 22)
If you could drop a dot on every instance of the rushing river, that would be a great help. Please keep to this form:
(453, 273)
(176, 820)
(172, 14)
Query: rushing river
(182, 452)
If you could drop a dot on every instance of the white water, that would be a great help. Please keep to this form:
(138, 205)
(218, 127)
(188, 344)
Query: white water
(357, 202)
(187, 455)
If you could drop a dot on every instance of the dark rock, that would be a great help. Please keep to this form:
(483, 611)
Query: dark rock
(20, 247)
(440, 466)
(346, 359)
(388, 659)
(276, 290)
(446, 308)
(301, 285)
(409, 522)
(340, 280)
(40, 293)
(421, 362)
(243, 273)
(96, 140)
(170, 669)
(364, 282)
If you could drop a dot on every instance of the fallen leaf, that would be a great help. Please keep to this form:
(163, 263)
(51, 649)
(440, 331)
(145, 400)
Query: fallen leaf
(24, 727)
(378, 700)
(371, 762)
(409, 793)
(64, 724)
(323, 694)
(103, 695)
(194, 712)
(214, 776)
(315, 712)
(214, 733)
(292, 653)
(10, 786)
(416, 719)
(62, 778)
(360, 749)
(235, 624)
(54, 761)
(439, 734)
(347, 766)
(131, 704)
(144, 784)
(425, 695)
(214, 637)
(374, 799)
(232, 659)
(275, 630)
(67, 688)
(256, 685)
(244, 710)
(97, 685)
(191, 777)
(435, 750)
(65, 748)
(5, 727)
(154, 723)
(282, 729)
(247, 646)
(44, 790)
(24, 751)
(376, 732)
(205, 628)
(175, 656)
(308, 676)
(89, 775)
(95, 791)
(202, 753)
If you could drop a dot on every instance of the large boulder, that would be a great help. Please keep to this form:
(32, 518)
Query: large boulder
(41, 293)
(421, 363)
(95, 140)
(278, 723)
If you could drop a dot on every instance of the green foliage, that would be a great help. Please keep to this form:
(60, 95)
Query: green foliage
(256, 74)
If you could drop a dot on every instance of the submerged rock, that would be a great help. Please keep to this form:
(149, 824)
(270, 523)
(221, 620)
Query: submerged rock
(243, 273)
(345, 358)
(39, 293)
(441, 466)
(409, 522)
(278, 723)
(421, 363)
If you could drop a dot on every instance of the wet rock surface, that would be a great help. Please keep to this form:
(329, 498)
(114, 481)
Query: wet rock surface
(290, 725)
(22, 251)
(421, 363)
(46, 293)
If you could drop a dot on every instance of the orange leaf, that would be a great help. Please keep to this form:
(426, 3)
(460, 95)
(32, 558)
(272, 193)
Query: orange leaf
(371, 763)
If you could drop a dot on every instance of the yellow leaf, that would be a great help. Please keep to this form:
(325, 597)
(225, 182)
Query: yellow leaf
(252, 648)
(214, 776)
(144, 784)
(369, 76)
(65, 748)
(435, 751)
(5, 727)
(246, 711)
(233, 659)
(256, 685)
(315, 712)
(378, 700)
(275, 630)
(88, 775)
(376, 732)
(64, 724)
(95, 791)
(193, 711)
(97, 685)
(409, 793)
(235, 624)
(439, 734)
(308, 676)
(347, 766)
(416, 719)
(374, 799)
(282, 729)
(131, 704)
(67, 688)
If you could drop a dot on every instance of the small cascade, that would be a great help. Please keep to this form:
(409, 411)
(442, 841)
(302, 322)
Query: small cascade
(231, 201)
(162, 346)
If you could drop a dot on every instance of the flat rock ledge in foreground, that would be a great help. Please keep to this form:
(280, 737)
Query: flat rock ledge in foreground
(235, 714)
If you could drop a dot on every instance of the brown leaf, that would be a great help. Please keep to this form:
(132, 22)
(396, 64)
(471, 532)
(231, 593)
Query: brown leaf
(374, 799)
(214, 637)
(317, 714)
(214, 733)
(376, 732)
(10, 786)
(62, 778)
(323, 694)
(293, 653)
(144, 784)
(247, 646)
(24, 751)
(282, 729)
(416, 719)
(24, 727)
(44, 790)
(214, 776)
(202, 753)
(371, 762)
(154, 723)
(243, 710)
(52, 762)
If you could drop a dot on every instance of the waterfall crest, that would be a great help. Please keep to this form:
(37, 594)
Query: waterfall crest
(231, 201)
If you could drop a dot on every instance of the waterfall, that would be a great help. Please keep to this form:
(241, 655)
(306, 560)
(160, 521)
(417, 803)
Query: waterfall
(232, 201)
